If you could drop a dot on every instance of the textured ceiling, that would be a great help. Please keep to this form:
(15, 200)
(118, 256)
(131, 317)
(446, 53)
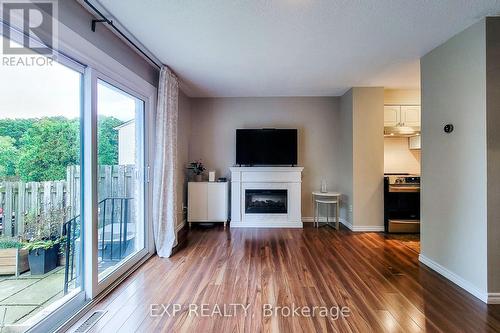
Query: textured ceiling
(294, 47)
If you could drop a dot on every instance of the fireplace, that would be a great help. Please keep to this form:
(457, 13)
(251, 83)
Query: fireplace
(266, 201)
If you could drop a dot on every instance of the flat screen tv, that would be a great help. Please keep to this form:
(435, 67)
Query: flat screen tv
(266, 146)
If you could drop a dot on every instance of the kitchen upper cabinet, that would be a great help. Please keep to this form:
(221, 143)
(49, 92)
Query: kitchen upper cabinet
(392, 115)
(402, 115)
(410, 115)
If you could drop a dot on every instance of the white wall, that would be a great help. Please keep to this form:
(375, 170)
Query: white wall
(453, 197)
(214, 122)
(126, 143)
(398, 158)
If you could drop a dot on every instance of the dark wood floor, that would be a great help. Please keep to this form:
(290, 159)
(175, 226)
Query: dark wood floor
(379, 279)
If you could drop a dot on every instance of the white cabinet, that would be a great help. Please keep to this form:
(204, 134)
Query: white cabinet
(414, 142)
(410, 115)
(402, 115)
(208, 202)
(392, 115)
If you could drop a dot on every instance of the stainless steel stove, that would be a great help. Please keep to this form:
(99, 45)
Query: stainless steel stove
(402, 203)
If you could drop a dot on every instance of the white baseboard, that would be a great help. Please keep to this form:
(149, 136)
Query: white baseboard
(180, 226)
(458, 280)
(257, 224)
(493, 298)
(358, 228)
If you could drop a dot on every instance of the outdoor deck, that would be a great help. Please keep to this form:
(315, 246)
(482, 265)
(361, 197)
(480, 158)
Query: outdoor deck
(23, 296)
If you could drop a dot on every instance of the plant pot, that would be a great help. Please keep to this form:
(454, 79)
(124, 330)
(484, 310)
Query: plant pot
(43, 261)
(198, 178)
(13, 261)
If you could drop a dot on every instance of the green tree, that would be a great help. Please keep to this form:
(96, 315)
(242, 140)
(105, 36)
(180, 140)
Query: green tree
(48, 148)
(15, 128)
(108, 140)
(8, 157)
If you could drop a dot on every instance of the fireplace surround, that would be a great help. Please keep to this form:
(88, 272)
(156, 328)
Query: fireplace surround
(267, 197)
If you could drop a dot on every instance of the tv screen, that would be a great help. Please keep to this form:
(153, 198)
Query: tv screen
(266, 146)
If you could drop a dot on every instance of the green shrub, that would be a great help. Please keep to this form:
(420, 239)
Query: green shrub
(10, 243)
(43, 244)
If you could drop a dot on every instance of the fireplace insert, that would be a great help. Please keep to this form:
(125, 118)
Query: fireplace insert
(266, 201)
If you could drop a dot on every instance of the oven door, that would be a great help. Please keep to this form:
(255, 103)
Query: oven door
(401, 204)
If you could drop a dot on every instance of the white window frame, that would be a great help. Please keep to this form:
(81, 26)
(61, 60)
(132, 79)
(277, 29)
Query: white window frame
(125, 265)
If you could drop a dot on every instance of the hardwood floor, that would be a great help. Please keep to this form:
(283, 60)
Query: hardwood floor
(379, 279)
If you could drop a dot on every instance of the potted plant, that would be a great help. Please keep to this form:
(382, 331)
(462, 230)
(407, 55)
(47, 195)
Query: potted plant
(42, 256)
(198, 168)
(43, 237)
(13, 258)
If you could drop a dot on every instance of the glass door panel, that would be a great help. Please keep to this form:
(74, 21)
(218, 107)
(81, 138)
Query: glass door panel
(120, 156)
(40, 191)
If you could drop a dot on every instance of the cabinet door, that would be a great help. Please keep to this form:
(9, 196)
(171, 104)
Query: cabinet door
(197, 202)
(392, 115)
(217, 202)
(410, 115)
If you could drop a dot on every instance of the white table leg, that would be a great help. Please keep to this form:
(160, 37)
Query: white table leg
(337, 214)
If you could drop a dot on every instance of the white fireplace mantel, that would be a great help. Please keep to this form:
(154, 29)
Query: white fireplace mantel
(266, 178)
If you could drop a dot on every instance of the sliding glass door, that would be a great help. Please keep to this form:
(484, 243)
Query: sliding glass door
(120, 177)
(73, 189)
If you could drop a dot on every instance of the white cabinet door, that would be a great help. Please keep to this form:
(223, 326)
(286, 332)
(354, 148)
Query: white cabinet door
(197, 202)
(392, 115)
(410, 115)
(217, 202)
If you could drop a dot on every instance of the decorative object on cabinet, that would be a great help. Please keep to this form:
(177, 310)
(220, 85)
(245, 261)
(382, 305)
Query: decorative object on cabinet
(198, 168)
(211, 176)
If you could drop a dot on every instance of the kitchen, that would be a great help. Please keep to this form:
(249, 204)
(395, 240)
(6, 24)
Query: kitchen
(402, 162)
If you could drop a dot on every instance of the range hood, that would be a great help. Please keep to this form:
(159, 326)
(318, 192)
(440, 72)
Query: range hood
(402, 131)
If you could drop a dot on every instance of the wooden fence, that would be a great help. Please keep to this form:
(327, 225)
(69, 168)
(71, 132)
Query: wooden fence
(20, 198)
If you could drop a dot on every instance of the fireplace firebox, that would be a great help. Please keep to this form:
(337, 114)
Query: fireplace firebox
(266, 201)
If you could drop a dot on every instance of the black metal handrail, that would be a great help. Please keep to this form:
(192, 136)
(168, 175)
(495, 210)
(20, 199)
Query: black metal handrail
(120, 204)
(71, 232)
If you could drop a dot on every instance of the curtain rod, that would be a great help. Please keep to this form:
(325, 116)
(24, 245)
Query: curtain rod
(104, 19)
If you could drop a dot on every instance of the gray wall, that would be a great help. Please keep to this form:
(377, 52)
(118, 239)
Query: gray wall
(344, 152)
(453, 197)
(368, 157)
(361, 157)
(214, 122)
(493, 153)
(183, 136)
(78, 19)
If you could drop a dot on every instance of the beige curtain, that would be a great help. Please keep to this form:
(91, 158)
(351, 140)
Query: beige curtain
(165, 164)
